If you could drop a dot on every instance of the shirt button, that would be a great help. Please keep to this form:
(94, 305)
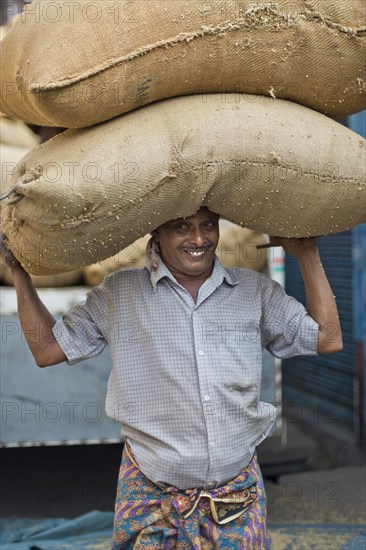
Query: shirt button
(200, 352)
(211, 444)
(207, 398)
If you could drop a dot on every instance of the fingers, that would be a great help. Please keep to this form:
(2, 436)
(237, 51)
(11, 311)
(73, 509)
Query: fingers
(266, 245)
(294, 246)
(288, 242)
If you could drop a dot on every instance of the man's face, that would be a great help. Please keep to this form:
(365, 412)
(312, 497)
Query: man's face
(187, 245)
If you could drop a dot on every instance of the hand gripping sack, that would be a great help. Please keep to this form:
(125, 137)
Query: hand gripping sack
(269, 165)
(74, 64)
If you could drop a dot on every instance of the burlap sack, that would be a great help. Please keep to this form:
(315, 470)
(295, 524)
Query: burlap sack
(272, 166)
(3, 31)
(17, 134)
(132, 256)
(10, 157)
(12, 131)
(74, 64)
(237, 247)
(16, 140)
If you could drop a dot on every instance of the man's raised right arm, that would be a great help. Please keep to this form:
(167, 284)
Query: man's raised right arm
(35, 319)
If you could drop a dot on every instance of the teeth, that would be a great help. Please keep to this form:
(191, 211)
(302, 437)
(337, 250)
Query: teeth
(196, 253)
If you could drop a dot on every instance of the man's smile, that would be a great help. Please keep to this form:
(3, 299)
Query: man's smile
(197, 252)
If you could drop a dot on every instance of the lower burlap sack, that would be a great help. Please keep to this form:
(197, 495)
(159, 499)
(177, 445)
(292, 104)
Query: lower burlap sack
(74, 64)
(269, 165)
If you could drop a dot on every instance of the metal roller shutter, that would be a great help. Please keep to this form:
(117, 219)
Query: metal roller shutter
(324, 384)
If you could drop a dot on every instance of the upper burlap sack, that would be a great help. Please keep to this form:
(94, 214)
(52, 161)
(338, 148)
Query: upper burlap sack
(271, 166)
(74, 64)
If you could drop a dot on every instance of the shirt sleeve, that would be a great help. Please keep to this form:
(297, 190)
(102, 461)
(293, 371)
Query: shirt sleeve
(82, 332)
(287, 328)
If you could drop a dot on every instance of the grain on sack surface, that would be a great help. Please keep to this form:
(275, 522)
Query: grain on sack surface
(76, 64)
(269, 165)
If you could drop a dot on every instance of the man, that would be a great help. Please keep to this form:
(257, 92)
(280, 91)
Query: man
(186, 339)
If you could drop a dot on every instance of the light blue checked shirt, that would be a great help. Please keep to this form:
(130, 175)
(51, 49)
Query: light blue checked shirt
(186, 376)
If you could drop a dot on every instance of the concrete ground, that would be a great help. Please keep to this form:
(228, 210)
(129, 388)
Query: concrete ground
(313, 502)
(322, 509)
(316, 493)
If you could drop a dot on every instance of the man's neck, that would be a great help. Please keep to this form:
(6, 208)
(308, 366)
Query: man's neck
(191, 283)
(192, 286)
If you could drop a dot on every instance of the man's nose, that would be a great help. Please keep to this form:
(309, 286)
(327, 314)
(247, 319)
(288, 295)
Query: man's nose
(196, 236)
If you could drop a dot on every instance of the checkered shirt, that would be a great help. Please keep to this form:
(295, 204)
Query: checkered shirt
(186, 376)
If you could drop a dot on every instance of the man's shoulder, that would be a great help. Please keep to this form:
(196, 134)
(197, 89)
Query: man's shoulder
(246, 276)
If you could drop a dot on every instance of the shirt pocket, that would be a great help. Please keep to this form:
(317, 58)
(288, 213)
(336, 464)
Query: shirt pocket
(236, 355)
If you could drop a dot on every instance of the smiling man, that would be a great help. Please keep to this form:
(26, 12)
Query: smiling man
(187, 247)
(190, 365)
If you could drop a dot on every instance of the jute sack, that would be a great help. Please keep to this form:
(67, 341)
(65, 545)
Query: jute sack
(237, 247)
(10, 157)
(17, 134)
(74, 64)
(132, 256)
(16, 140)
(272, 166)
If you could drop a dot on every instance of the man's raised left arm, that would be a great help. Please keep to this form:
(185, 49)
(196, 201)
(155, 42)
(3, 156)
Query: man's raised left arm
(320, 300)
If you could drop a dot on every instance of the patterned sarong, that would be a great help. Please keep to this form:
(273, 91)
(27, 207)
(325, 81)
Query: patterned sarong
(229, 517)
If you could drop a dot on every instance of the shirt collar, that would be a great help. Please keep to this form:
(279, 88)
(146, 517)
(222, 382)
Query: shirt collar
(218, 275)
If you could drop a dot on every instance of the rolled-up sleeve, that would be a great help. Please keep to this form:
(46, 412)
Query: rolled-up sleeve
(287, 328)
(82, 332)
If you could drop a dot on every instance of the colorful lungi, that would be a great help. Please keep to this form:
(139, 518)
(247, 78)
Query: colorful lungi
(150, 517)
